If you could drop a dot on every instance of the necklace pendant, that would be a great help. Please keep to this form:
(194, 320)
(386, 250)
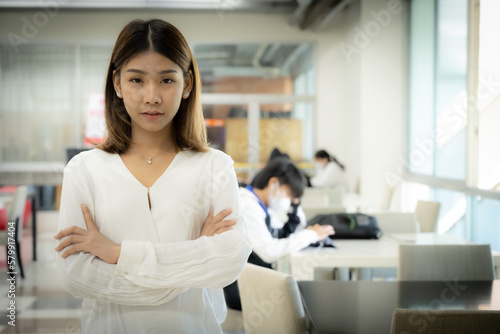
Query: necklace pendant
(149, 161)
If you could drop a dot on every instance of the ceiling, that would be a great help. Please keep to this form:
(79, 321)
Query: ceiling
(252, 59)
(249, 5)
(304, 14)
(229, 60)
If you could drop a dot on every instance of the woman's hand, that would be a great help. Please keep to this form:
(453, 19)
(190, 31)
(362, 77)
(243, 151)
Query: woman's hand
(216, 225)
(323, 231)
(77, 239)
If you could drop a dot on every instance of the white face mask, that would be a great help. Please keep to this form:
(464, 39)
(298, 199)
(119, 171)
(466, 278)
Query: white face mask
(319, 165)
(277, 201)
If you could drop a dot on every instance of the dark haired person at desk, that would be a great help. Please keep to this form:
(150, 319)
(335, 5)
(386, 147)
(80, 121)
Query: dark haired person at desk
(271, 199)
(329, 172)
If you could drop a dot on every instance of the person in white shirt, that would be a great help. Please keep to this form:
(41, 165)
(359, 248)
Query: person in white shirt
(273, 193)
(139, 240)
(329, 172)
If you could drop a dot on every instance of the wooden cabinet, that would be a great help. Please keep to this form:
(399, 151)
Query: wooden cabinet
(282, 133)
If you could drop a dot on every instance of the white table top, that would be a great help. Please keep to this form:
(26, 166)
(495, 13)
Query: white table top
(356, 253)
(31, 173)
(32, 167)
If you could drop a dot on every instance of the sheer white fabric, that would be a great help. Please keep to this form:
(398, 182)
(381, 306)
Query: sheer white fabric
(167, 279)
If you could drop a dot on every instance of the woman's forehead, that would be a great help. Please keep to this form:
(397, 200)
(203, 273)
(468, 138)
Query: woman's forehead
(152, 62)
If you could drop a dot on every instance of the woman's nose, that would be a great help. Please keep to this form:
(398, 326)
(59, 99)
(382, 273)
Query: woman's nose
(152, 94)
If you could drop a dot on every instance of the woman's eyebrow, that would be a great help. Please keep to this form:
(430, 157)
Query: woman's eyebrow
(142, 72)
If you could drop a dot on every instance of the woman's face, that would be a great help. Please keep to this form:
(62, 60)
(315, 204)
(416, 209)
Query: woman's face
(321, 162)
(152, 87)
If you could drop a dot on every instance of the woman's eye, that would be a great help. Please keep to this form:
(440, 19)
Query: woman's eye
(167, 81)
(135, 80)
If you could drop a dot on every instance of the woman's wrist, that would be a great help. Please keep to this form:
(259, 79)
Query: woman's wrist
(117, 249)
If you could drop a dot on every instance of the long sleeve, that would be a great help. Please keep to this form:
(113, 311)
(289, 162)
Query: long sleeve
(148, 272)
(321, 177)
(330, 176)
(84, 275)
(264, 245)
(207, 262)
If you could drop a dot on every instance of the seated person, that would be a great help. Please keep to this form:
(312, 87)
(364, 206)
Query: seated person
(276, 153)
(273, 193)
(329, 172)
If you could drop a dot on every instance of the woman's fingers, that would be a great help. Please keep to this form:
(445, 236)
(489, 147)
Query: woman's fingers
(71, 250)
(222, 230)
(216, 224)
(210, 214)
(223, 214)
(73, 230)
(89, 221)
(224, 226)
(225, 223)
(329, 229)
(72, 239)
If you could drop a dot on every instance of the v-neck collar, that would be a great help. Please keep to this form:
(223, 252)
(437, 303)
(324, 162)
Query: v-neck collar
(157, 180)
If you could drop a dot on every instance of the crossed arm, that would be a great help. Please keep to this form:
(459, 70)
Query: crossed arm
(76, 239)
(143, 272)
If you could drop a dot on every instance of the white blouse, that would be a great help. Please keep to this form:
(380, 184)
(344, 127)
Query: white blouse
(264, 245)
(331, 176)
(167, 279)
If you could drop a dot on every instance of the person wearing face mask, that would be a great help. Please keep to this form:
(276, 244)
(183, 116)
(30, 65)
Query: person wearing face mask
(272, 196)
(329, 172)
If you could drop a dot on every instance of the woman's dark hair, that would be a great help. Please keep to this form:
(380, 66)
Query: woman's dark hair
(322, 154)
(286, 172)
(276, 153)
(139, 36)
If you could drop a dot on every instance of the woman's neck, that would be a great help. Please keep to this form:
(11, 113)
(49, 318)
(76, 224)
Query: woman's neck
(263, 195)
(150, 143)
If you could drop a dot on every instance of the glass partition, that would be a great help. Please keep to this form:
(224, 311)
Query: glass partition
(489, 97)
(37, 107)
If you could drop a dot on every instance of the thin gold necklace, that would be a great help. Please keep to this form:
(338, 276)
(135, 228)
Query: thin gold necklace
(150, 159)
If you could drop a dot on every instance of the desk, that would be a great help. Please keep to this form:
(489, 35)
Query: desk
(381, 253)
(367, 307)
(46, 173)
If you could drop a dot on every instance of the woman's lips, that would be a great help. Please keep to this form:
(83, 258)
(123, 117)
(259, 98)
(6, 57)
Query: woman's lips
(152, 116)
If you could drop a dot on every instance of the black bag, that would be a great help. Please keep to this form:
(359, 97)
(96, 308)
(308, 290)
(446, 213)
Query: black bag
(349, 225)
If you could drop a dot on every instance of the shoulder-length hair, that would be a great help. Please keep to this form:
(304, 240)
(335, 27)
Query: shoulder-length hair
(188, 127)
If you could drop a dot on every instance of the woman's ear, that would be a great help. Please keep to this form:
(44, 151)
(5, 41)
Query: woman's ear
(188, 85)
(116, 84)
(272, 180)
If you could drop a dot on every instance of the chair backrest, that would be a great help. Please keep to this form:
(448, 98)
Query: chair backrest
(387, 198)
(397, 222)
(445, 321)
(427, 215)
(270, 302)
(17, 205)
(445, 262)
